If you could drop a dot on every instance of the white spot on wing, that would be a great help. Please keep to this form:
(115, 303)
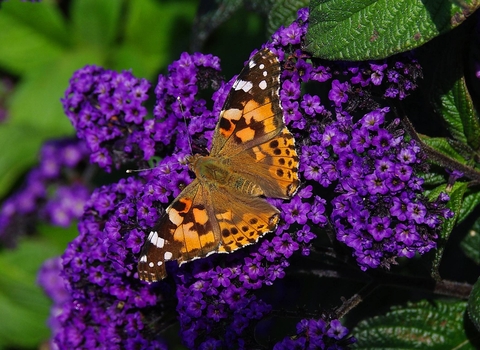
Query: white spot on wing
(262, 85)
(262, 66)
(242, 85)
(265, 73)
(251, 64)
(155, 240)
(167, 255)
(159, 263)
(151, 264)
(143, 258)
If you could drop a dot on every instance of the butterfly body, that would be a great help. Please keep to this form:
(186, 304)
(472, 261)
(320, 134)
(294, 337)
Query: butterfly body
(216, 173)
(253, 156)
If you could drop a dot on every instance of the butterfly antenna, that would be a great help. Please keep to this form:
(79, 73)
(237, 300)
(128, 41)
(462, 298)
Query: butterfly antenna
(129, 171)
(185, 121)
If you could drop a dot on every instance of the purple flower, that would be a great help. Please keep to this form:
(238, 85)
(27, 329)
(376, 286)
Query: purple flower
(375, 184)
(379, 228)
(372, 120)
(320, 74)
(378, 73)
(311, 105)
(305, 235)
(317, 334)
(337, 331)
(285, 245)
(338, 93)
(296, 211)
(221, 277)
(292, 112)
(416, 211)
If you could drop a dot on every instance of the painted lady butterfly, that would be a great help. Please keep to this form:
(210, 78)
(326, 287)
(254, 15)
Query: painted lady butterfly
(253, 156)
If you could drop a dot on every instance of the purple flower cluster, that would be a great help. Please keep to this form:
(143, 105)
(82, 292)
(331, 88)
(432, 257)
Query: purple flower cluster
(376, 202)
(52, 192)
(177, 101)
(105, 299)
(217, 302)
(99, 267)
(364, 169)
(105, 107)
(378, 208)
(317, 334)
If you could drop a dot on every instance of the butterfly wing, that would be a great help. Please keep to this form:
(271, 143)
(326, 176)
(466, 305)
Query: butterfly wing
(200, 222)
(252, 113)
(183, 233)
(272, 165)
(251, 131)
(242, 219)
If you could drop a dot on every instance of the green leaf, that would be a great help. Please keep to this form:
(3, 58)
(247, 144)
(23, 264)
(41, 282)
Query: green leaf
(443, 64)
(96, 22)
(23, 305)
(473, 307)
(470, 244)
(15, 160)
(44, 18)
(151, 29)
(433, 178)
(422, 325)
(43, 90)
(374, 29)
(284, 12)
(460, 115)
(470, 202)
(33, 33)
(442, 145)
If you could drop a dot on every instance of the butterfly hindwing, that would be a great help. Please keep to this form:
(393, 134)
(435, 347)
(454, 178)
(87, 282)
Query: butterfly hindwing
(244, 221)
(273, 165)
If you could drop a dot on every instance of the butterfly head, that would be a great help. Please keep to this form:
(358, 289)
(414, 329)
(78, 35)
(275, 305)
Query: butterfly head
(192, 161)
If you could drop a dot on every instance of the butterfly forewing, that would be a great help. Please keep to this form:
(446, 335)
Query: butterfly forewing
(251, 132)
(252, 113)
(184, 232)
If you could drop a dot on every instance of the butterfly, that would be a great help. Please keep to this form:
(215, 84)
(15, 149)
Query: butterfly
(252, 157)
